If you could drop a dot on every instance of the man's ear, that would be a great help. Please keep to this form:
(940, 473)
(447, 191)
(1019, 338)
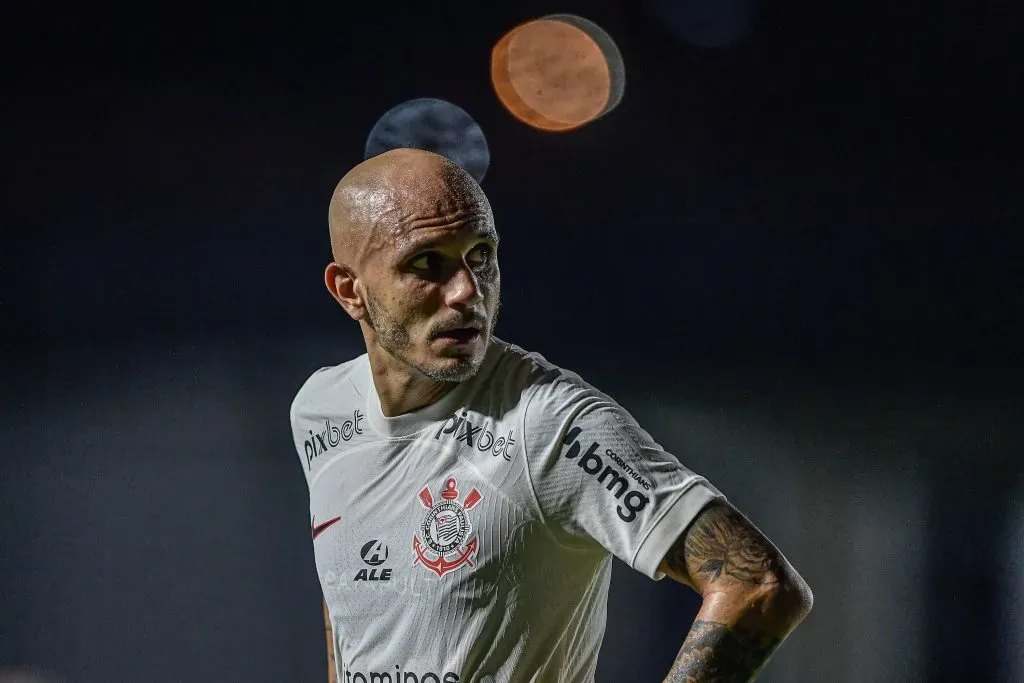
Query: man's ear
(343, 285)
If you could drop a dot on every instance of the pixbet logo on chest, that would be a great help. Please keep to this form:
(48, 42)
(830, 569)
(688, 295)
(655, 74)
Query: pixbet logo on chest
(477, 437)
(331, 436)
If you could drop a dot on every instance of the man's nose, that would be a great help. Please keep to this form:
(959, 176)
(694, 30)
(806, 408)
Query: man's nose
(463, 289)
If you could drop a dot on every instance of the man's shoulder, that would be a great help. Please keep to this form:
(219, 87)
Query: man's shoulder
(329, 383)
(529, 374)
(523, 369)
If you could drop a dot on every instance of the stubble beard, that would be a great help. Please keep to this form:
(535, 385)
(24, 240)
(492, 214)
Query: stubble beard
(393, 337)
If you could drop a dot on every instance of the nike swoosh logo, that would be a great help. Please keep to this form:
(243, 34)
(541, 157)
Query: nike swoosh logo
(320, 528)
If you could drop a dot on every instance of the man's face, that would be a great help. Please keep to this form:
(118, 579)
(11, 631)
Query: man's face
(432, 295)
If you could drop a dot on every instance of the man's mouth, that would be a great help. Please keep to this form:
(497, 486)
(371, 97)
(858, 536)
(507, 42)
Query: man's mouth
(460, 335)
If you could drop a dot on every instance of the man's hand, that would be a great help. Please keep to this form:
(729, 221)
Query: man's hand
(753, 598)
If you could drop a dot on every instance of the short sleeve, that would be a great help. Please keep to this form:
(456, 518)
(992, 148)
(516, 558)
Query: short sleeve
(308, 433)
(598, 477)
(302, 447)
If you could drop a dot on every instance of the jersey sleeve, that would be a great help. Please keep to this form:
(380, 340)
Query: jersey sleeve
(301, 447)
(598, 477)
(302, 417)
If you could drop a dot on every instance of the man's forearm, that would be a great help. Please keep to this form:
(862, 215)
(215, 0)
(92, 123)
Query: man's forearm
(753, 599)
(717, 651)
(332, 672)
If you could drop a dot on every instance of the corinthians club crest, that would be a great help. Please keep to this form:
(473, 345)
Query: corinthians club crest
(442, 545)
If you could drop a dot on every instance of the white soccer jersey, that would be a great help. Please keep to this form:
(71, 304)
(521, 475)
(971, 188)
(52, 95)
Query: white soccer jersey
(471, 541)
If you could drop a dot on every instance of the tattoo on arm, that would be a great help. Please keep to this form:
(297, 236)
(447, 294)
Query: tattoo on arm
(716, 653)
(722, 543)
(724, 554)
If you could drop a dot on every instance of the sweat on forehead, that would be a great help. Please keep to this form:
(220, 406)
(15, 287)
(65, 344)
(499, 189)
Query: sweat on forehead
(381, 197)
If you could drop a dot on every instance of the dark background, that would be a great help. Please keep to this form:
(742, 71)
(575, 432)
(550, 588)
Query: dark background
(792, 257)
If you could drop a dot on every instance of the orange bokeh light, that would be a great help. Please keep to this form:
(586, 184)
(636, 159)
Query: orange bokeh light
(551, 75)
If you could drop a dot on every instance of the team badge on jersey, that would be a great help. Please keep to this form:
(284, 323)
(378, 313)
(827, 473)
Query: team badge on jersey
(444, 544)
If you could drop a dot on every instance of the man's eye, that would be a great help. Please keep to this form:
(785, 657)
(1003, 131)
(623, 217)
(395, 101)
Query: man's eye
(428, 261)
(481, 255)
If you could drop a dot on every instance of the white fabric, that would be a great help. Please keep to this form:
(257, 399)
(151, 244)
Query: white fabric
(506, 577)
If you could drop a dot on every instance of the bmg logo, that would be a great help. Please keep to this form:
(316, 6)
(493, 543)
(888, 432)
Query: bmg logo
(591, 463)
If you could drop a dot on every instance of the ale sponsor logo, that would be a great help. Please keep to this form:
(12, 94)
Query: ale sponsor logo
(374, 554)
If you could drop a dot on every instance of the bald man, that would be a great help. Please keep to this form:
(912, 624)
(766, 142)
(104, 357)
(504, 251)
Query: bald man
(467, 496)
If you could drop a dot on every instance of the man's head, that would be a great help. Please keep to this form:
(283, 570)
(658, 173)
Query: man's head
(415, 261)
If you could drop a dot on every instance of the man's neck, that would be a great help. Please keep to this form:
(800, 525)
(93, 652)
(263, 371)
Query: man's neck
(400, 388)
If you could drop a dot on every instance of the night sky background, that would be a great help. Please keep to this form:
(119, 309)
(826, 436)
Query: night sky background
(833, 199)
(843, 183)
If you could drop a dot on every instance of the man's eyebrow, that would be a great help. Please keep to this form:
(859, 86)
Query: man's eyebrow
(481, 231)
(484, 230)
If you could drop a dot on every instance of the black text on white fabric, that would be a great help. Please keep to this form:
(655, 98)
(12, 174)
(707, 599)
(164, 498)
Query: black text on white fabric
(374, 553)
(401, 677)
(462, 429)
(618, 483)
(331, 436)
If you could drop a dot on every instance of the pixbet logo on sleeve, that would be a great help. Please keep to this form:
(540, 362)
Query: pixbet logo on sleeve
(331, 436)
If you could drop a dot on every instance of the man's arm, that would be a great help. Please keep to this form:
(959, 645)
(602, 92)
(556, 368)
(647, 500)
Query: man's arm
(753, 598)
(332, 674)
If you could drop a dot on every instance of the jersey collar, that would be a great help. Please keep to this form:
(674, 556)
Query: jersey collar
(427, 416)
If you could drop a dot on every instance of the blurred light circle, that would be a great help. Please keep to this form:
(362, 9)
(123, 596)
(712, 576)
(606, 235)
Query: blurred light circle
(612, 56)
(705, 23)
(557, 73)
(433, 125)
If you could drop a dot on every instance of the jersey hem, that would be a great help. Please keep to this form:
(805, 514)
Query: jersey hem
(673, 522)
